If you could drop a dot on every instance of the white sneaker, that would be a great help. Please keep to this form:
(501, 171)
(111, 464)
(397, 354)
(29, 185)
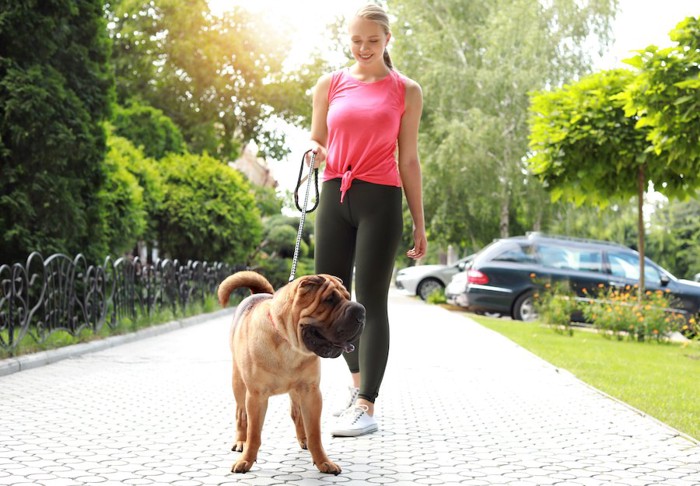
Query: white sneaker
(355, 421)
(354, 392)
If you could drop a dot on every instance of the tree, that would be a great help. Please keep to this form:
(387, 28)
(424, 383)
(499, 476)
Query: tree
(476, 62)
(598, 140)
(209, 211)
(665, 96)
(587, 150)
(216, 77)
(54, 96)
(148, 128)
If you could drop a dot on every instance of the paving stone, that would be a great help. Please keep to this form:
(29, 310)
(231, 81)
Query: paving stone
(474, 409)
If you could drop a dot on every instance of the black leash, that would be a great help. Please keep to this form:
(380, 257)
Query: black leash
(303, 209)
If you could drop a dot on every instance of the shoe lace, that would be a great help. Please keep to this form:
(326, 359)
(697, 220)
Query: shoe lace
(356, 412)
(354, 392)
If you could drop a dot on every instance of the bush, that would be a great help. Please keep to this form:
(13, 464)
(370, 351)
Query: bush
(149, 129)
(209, 211)
(619, 313)
(555, 306)
(437, 296)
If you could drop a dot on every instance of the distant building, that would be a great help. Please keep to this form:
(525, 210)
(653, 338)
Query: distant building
(253, 167)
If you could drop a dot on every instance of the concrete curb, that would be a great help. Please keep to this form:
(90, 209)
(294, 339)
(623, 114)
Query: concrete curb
(43, 358)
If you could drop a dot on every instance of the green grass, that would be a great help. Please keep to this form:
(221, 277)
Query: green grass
(660, 379)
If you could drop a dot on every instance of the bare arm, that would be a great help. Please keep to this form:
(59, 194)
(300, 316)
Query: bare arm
(409, 166)
(319, 127)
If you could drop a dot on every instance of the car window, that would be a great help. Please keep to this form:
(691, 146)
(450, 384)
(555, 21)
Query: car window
(514, 252)
(553, 256)
(570, 258)
(626, 265)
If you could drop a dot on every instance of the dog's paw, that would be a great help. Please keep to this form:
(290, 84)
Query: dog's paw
(303, 444)
(329, 467)
(238, 446)
(242, 466)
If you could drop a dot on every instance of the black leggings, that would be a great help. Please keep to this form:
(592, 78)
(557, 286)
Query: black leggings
(364, 231)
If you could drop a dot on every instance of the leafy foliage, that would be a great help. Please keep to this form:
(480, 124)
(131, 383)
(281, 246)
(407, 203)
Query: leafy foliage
(148, 128)
(55, 88)
(476, 62)
(619, 314)
(600, 139)
(275, 253)
(584, 146)
(665, 96)
(209, 211)
(215, 76)
(147, 175)
(122, 198)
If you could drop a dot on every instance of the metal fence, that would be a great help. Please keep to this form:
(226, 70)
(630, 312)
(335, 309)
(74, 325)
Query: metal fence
(63, 294)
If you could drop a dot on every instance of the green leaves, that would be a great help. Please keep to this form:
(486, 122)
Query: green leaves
(209, 211)
(477, 62)
(55, 89)
(583, 145)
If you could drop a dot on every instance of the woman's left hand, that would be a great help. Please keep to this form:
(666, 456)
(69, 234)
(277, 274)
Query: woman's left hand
(420, 245)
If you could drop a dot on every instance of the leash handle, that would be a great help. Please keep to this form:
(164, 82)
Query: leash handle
(303, 209)
(301, 180)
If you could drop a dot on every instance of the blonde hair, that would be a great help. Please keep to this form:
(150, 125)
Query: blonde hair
(376, 14)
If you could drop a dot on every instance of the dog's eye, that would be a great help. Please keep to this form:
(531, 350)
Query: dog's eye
(332, 299)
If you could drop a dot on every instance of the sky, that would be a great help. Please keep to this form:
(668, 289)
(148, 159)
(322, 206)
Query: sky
(638, 24)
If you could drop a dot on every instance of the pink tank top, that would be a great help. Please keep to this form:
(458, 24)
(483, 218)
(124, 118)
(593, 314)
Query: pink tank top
(363, 128)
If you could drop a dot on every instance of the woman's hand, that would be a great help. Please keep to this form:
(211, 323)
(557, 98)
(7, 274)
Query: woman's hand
(320, 155)
(420, 245)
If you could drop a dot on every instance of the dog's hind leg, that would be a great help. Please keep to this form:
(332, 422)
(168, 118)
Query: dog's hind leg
(295, 410)
(239, 393)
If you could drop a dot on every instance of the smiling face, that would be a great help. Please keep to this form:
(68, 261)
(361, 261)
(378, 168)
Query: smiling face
(367, 41)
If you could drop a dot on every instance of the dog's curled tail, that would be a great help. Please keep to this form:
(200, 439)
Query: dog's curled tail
(251, 280)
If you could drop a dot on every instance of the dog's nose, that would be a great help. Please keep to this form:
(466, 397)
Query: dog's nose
(358, 312)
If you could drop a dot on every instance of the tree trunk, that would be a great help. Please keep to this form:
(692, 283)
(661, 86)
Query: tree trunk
(505, 210)
(641, 179)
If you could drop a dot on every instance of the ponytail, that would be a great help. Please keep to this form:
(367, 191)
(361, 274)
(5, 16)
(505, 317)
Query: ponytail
(387, 60)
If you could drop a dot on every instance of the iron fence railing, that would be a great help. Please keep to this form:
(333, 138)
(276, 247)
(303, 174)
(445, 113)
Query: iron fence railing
(43, 296)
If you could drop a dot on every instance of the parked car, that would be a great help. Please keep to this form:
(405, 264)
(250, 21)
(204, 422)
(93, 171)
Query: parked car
(505, 275)
(455, 292)
(423, 280)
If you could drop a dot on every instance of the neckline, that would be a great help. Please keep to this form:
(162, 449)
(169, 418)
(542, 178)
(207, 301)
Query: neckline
(347, 70)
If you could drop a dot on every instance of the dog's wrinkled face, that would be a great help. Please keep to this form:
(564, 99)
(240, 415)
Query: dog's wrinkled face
(329, 322)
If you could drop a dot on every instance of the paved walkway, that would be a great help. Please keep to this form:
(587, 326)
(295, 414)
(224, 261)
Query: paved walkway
(460, 405)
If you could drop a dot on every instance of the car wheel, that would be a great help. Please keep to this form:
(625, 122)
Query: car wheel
(427, 287)
(524, 307)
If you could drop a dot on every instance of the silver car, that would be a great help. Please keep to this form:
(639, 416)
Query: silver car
(423, 280)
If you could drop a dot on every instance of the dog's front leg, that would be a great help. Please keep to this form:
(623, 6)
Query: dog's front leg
(311, 405)
(298, 420)
(256, 407)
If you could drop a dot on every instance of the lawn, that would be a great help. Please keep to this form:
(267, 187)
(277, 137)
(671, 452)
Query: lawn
(660, 379)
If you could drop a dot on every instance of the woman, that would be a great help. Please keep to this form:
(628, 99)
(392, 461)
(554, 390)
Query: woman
(361, 116)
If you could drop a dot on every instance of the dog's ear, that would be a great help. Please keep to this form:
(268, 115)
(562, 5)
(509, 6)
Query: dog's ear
(312, 281)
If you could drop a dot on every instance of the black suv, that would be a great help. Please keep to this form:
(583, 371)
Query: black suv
(505, 275)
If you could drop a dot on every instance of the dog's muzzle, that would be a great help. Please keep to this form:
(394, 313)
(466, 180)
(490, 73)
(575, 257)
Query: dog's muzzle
(330, 341)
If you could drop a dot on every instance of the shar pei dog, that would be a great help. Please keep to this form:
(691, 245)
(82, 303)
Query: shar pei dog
(276, 340)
